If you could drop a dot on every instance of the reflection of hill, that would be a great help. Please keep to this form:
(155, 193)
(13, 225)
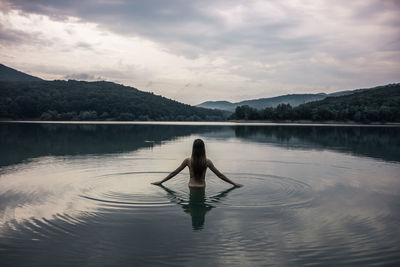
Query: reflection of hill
(377, 142)
(20, 142)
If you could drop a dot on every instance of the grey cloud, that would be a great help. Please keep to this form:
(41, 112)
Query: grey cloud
(83, 77)
(189, 28)
(74, 73)
(192, 28)
(368, 10)
(184, 23)
(181, 23)
(84, 45)
(13, 36)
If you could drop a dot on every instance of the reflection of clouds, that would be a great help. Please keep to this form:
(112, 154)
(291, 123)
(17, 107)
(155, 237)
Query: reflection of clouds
(350, 219)
(344, 224)
(41, 189)
(49, 186)
(350, 213)
(320, 168)
(46, 187)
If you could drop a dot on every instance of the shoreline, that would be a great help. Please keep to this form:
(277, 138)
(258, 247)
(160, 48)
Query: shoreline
(219, 123)
(308, 122)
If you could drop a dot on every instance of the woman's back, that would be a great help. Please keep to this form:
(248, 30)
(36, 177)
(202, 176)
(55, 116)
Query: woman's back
(197, 175)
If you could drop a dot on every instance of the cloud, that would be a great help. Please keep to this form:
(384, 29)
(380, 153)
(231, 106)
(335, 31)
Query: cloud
(265, 47)
(84, 45)
(12, 36)
(190, 27)
(83, 77)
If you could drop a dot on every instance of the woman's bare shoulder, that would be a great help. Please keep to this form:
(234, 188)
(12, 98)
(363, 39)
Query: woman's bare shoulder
(209, 163)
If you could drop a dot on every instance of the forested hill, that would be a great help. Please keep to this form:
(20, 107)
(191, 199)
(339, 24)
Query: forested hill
(80, 100)
(9, 74)
(379, 104)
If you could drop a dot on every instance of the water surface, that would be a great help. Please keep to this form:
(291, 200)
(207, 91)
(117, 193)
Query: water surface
(80, 194)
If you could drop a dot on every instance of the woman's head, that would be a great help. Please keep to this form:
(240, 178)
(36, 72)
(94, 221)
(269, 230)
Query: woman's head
(199, 150)
(199, 160)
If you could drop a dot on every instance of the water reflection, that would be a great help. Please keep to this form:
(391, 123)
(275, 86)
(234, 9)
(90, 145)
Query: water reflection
(376, 142)
(198, 204)
(21, 142)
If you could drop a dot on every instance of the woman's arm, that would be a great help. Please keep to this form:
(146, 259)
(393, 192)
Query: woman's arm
(172, 174)
(220, 175)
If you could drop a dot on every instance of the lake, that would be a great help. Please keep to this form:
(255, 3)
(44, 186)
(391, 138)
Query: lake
(80, 195)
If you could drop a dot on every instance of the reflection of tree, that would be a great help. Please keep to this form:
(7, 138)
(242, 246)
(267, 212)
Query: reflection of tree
(20, 142)
(377, 142)
(198, 205)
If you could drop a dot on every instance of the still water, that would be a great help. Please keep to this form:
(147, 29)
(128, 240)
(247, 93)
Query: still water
(80, 195)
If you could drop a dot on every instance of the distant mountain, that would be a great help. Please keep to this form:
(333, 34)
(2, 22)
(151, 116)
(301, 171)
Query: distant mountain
(10, 74)
(292, 99)
(222, 105)
(349, 92)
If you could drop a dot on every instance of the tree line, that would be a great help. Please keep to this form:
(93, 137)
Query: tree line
(381, 104)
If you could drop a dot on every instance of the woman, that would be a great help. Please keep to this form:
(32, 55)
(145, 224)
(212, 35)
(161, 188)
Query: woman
(197, 164)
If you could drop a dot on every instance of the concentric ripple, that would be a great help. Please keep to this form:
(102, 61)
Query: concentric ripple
(134, 189)
(124, 190)
(265, 191)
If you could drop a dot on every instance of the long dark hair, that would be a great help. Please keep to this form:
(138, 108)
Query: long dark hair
(199, 160)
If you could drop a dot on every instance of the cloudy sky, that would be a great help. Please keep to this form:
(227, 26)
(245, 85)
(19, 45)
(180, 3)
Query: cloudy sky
(194, 51)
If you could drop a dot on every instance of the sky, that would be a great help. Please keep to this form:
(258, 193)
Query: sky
(194, 51)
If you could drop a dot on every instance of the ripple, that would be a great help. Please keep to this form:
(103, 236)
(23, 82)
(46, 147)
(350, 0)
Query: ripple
(125, 190)
(134, 204)
(267, 191)
(133, 189)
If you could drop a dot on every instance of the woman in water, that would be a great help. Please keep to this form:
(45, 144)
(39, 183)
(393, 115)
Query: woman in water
(197, 164)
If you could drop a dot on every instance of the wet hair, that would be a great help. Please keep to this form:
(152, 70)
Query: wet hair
(199, 160)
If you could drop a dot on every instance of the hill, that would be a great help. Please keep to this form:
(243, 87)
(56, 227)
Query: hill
(378, 104)
(10, 74)
(80, 100)
(292, 99)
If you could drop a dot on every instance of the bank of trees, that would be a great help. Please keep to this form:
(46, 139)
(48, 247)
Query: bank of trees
(79, 100)
(381, 104)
